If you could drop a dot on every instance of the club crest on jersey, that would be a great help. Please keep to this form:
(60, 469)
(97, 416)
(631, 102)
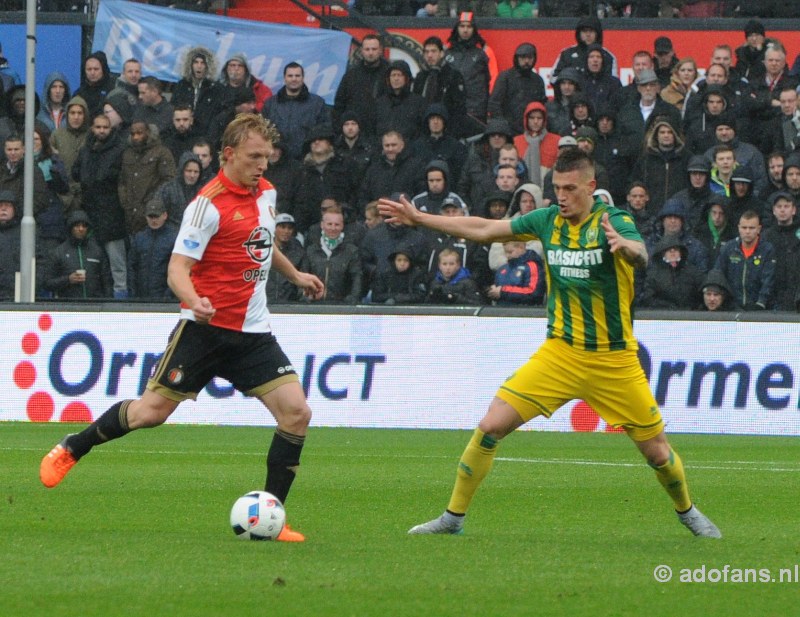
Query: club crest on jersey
(591, 234)
(259, 244)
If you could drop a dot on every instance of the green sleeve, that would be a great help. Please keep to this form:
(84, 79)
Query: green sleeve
(623, 223)
(529, 226)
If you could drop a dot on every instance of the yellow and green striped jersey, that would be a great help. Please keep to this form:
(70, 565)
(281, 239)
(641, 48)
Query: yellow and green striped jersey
(589, 289)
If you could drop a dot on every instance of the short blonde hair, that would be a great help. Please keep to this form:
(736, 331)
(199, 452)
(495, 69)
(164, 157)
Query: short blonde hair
(241, 126)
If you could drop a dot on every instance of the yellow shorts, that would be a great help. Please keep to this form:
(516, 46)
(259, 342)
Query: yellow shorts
(612, 382)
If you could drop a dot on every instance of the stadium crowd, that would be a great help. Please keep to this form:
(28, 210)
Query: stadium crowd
(701, 152)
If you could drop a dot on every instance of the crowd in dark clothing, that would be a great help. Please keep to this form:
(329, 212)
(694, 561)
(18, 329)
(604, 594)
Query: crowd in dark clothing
(701, 164)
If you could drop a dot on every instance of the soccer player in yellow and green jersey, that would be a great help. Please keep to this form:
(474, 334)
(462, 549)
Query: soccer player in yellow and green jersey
(590, 252)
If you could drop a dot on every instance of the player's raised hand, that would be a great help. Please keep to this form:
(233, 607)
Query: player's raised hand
(311, 285)
(400, 212)
(613, 237)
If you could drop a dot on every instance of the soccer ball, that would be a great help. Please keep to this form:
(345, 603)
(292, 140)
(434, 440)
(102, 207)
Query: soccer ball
(258, 516)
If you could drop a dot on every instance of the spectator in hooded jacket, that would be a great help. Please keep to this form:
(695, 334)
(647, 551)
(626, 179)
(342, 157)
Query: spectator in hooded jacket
(14, 121)
(614, 153)
(695, 196)
(325, 174)
(437, 178)
(402, 283)
(716, 226)
(353, 145)
(399, 108)
(436, 142)
(197, 87)
(120, 113)
(716, 293)
(600, 87)
(742, 196)
(477, 176)
(77, 269)
(96, 82)
(149, 255)
(671, 221)
(589, 30)
(745, 153)
(537, 147)
(663, 165)
(700, 124)
(516, 88)
(671, 281)
(294, 110)
(361, 86)
(467, 54)
(55, 95)
(176, 194)
(236, 76)
(568, 83)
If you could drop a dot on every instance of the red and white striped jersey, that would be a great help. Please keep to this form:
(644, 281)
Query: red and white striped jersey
(229, 230)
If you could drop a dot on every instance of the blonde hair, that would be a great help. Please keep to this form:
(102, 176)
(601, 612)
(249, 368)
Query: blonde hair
(238, 130)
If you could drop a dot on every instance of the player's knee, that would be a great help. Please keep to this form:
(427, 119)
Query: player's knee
(295, 417)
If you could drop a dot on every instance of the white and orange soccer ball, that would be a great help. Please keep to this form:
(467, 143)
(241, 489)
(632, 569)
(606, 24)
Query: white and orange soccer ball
(257, 516)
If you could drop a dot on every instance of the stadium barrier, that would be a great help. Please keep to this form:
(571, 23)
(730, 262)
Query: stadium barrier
(403, 368)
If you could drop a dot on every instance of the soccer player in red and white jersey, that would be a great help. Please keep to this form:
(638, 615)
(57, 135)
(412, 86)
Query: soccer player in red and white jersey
(218, 270)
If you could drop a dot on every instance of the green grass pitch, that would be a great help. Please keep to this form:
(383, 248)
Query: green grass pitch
(566, 524)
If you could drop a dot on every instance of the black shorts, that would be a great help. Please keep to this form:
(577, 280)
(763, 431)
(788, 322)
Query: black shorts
(253, 362)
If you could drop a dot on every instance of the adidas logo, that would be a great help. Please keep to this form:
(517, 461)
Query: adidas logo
(237, 216)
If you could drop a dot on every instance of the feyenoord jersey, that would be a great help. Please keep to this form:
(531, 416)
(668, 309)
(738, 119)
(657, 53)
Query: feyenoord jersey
(230, 230)
(589, 290)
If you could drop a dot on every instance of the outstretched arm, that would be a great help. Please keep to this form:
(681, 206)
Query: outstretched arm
(632, 251)
(474, 228)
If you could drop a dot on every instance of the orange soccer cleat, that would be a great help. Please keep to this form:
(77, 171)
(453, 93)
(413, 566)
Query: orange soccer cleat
(55, 465)
(288, 534)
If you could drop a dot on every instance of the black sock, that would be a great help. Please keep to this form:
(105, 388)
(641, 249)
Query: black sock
(111, 425)
(283, 459)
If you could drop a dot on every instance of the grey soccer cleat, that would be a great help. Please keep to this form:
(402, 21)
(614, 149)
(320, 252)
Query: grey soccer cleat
(698, 523)
(440, 525)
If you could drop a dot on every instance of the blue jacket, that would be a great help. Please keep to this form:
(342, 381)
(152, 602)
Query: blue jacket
(521, 280)
(751, 278)
(294, 117)
(148, 258)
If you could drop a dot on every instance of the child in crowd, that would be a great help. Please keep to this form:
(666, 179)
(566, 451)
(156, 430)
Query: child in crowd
(404, 283)
(521, 280)
(452, 283)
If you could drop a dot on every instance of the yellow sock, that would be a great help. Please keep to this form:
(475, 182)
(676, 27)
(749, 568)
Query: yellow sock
(475, 463)
(673, 479)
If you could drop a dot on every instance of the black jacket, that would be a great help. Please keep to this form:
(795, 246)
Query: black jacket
(360, 87)
(98, 168)
(341, 272)
(70, 256)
